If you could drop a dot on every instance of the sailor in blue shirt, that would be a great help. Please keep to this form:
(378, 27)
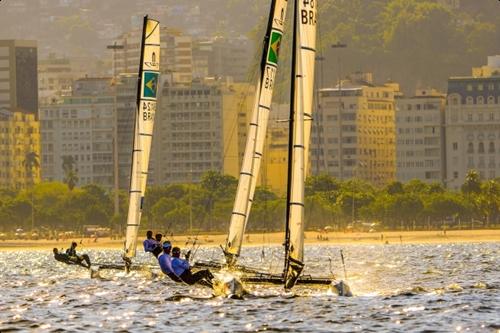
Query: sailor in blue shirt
(182, 270)
(151, 244)
(165, 262)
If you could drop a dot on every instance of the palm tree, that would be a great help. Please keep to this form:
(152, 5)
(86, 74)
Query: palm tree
(472, 184)
(31, 161)
(70, 173)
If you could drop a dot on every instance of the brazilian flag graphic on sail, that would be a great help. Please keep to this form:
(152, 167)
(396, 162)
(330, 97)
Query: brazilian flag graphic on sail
(274, 47)
(149, 85)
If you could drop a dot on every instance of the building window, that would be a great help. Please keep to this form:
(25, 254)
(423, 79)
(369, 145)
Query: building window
(480, 148)
(470, 163)
(469, 100)
(455, 145)
(455, 174)
(480, 100)
(469, 87)
(480, 87)
(470, 148)
(491, 100)
(491, 147)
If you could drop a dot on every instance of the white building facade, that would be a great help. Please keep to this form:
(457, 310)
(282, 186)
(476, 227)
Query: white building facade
(420, 145)
(472, 128)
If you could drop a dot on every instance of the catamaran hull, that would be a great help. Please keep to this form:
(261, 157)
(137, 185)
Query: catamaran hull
(341, 289)
(227, 285)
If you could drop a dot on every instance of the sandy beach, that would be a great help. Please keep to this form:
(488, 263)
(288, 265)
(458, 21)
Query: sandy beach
(259, 239)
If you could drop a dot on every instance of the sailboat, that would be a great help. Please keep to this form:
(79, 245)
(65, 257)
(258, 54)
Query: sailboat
(147, 89)
(300, 121)
(256, 131)
(149, 74)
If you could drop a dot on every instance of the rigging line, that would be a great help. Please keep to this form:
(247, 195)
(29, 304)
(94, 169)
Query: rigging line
(240, 106)
(319, 109)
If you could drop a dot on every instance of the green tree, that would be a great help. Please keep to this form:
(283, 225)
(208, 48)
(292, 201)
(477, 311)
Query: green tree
(394, 188)
(321, 183)
(472, 184)
(70, 172)
(31, 161)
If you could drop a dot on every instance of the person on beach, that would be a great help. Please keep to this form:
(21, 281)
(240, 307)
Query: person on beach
(182, 269)
(165, 262)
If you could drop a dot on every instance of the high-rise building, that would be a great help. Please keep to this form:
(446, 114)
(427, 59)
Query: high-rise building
(175, 59)
(19, 149)
(55, 78)
(223, 57)
(126, 107)
(492, 68)
(472, 128)
(197, 129)
(355, 132)
(420, 146)
(18, 76)
(274, 168)
(81, 127)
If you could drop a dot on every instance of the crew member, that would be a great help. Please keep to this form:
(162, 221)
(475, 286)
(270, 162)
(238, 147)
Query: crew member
(73, 256)
(181, 269)
(150, 243)
(165, 261)
(158, 249)
(72, 250)
(62, 257)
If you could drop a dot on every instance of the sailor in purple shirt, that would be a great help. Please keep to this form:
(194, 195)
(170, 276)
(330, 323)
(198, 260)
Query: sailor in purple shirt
(181, 269)
(150, 243)
(165, 261)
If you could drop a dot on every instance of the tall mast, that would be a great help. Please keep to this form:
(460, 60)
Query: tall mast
(291, 121)
(303, 61)
(256, 131)
(148, 78)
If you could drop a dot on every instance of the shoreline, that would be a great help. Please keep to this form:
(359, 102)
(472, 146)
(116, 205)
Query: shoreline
(276, 238)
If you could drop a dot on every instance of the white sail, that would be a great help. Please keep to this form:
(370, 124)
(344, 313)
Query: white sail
(149, 73)
(303, 85)
(256, 133)
(307, 59)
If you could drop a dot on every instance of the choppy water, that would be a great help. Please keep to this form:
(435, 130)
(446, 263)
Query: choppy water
(399, 288)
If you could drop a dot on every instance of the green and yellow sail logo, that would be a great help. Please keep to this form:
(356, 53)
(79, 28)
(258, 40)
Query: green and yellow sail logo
(274, 47)
(150, 85)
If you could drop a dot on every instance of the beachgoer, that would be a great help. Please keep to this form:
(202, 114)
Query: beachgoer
(165, 262)
(182, 269)
(149, 243)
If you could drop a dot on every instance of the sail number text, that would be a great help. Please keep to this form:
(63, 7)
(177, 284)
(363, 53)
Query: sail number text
(269, 76)
(308, 16)
(148, 110)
